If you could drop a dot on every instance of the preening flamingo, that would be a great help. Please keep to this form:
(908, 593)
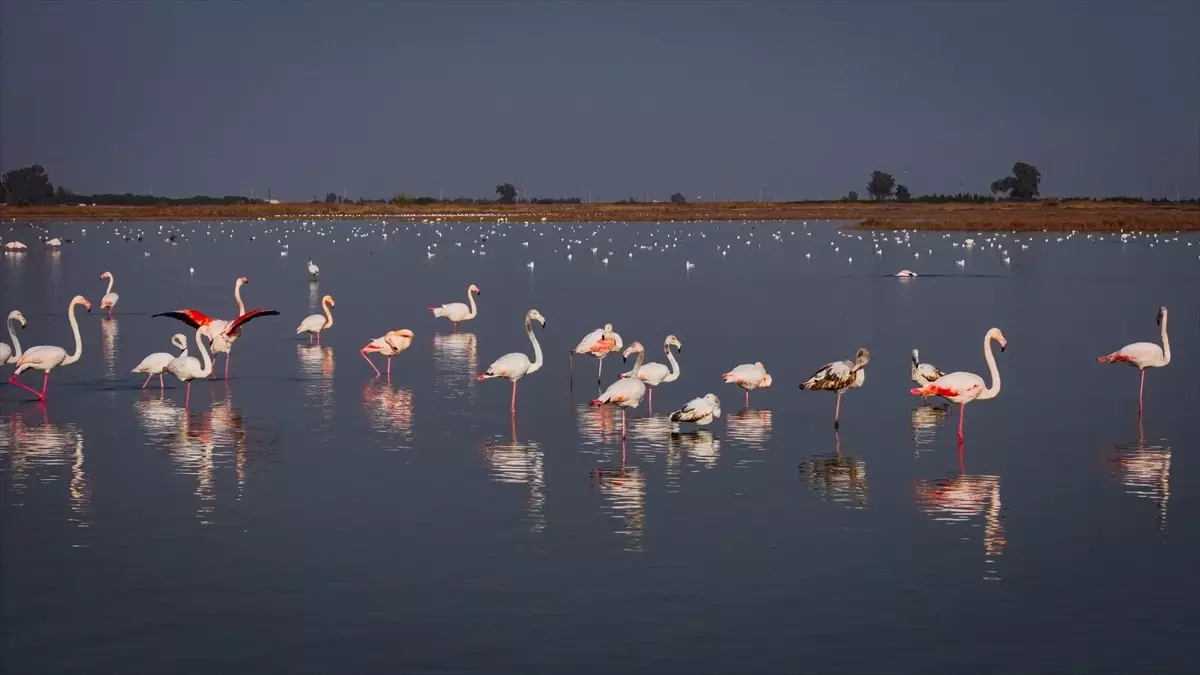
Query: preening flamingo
(187, 368)
(389, 345)
(156, 363)
(47, 358)
(654, 374)
(313, 270)
(748, 376)
(11, 354)
(626, 393)
(221, 333)
(109, 301)
(599, 343)
(457, 311)
(962, 387)
(313, 324)
(699, 411)
(923, 373)
(1143, 355)
(516, 365)
(840, 376)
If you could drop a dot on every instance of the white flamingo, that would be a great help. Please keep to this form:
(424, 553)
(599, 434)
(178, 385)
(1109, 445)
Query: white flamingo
(699, 411)
(654, 374)
(47, 358)
(748, 376)
(840, 376)
(923, 373)
(156, 363)
(626, 393)
(1143, 355)
(962, 387)
(313, 324)
(516, 365)
(11, 354)
(599, 343)
(390, 344)
(187, 368)
(313, 270)
(109, 301)
(457, 311)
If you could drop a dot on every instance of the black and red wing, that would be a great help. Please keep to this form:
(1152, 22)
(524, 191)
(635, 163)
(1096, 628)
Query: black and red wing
(191, 317)
(236, 325)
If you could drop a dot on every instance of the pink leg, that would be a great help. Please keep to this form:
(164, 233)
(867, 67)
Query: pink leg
(318, 338)
(148, 376)
(389, 366)
(45, 383)
(962, 411)
(187, 398)
(513, 405)
(622, 425)
(453, 326)
(837, 410)
(1141, 387)
(310, 338)
(364, 355)
(600, 371)
(651, 411)
(161, 386)
(13, 380)
(227, 357)
(747, 398)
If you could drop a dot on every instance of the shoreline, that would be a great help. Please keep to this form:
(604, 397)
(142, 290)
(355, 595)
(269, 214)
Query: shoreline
(1019, 216)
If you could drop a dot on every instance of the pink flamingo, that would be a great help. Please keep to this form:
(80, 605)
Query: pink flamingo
(313, 324)
(47, 358)
(109, 301)
(516, 365)
(748, 376)
(599, 343)
(221, 333)
(391, 344)
(962, 388)
(654, 374)
(457, 311)
(187, 368)
(625, 393)
(1143, 355)
(156, 363)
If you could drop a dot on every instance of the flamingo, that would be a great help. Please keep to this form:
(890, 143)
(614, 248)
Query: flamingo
(923, 373)
(654, 374)
(187, 368)
(700, 411)
(221, 333)
(46, 358)
(840, 376)
(13, 353)
(1143, 355)
(599, 343)
(457, 311)
(109, 301)
(516, 365)
(313, 270)
(390, 344)
(625, 393)
(313, 324)
(961, 387)
(748, 376)
(156, 363)
(15, 246)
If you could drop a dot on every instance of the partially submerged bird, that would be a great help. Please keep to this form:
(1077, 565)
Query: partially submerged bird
(923, 373)
(699, 411)
(389, 345)
(1143, 355)
(458, 311)
(838, 377)
(748, 376)
(156, 363)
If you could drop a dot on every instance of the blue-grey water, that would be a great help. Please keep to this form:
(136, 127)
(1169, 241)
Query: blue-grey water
(306, 516)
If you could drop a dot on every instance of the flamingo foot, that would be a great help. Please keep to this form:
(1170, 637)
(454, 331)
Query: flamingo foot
(13, 380)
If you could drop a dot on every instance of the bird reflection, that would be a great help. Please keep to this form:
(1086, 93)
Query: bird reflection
(314, 296)
(1145, 470)
(959, 499)
(751, 427)
(624, 490)
(456, 360)
(598, 426)
(700, 448)
(390, 410)
(316, 364)
(837, 477)
(925, 420)
(524, 464)
(36, 452)
(110, 330)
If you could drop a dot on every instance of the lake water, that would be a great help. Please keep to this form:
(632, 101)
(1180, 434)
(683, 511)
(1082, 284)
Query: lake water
(306, 516)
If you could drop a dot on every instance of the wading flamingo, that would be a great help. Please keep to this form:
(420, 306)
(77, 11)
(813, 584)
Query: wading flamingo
(391, 344)
(457, 311)
(699, 411)
(626, 393)
(840, 376)
(46, 358)
(516, 365)
(654, 374)
(748, 376)
(313, 270)
(599, 343)
(923, 373)
(187, 368)
(221, 333)
(109, 301)
(962, 388)
(1143, 355)
(13, 353)
(156, 363)
(313, 324)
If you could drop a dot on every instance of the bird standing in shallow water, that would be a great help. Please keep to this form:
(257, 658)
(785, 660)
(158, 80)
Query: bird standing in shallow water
(699, 411)
(599, 343)
(109, 301)
(458, 311)
(156, 363)
(12, 354)
(923, 373)
(962, 387)
(840, 376)
(47, 358)
(626, 393)
(1143, 355)
(654, 374)
(389, 345)
(516, 365)
(748, 376)
(313, 270)
(313, 324)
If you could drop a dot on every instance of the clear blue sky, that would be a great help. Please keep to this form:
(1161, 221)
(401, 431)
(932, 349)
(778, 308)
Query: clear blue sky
(617, 98)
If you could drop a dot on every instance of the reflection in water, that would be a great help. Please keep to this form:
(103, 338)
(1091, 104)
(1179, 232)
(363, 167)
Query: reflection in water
(701, 448)
(752, 427)
(598, 427)
(1145, 470)
(456, 363)
(524, 464)
(37, 452)
(960, 498)
(390, 411)
(836, 477)
(314, 297)
(110, 330)
(925, 420)
(624, 490)
(316, 364)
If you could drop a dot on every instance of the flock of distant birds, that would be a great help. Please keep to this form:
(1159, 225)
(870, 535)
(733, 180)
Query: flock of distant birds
(626, 393)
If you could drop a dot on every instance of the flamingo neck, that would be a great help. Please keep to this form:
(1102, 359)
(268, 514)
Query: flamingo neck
(111, 281)
(1166, 344)
(237, 295)
(674, 374)
(994, 389)
(74, 329)
(537, 349)
(637, 365)
(328, 314)
(12, 335)
(206, 369)
(471, 301)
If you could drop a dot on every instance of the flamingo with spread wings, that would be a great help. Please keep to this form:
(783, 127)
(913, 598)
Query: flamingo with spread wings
(221, 333)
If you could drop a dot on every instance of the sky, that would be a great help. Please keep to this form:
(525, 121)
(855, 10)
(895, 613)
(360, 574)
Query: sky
(725, 100)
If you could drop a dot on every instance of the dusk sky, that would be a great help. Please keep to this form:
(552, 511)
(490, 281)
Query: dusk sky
(802, 99)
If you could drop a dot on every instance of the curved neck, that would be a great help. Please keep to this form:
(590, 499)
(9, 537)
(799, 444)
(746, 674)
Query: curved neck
(12, 335)
(994, 389)
(328, 314)
(206, 369)
(1166, 345)
(641, 356)
(537, 349)
(237, 295)
(111, 281)
(471, 301)
(78, 342)
(674, 374)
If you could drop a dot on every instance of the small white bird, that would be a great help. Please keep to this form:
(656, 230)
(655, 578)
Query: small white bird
(313, 270)
(156, 363)
(699, 411)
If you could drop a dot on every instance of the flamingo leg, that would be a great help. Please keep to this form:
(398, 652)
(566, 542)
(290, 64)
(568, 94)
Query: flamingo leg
(600, 371)
(453, 326)
(651, 411)
(318, 338)
(513, 405)
(962, 411)
(148, 376)
(228, 355)
(187, 398)
(161, 386)
(1141, 388)
(389, 368)
(13, 380)
(622, 431)
(747, 398)
(837, 411)
(364, 355)
(45, 383)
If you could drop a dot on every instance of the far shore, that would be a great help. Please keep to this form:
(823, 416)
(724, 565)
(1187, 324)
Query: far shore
(1000, 216)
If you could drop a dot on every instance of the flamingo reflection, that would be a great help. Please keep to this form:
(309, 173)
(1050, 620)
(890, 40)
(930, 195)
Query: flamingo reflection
(390, 410)
(36, 453)
(925, 421)
(961, 498)
(748, 426)
(520, 464)
(110, 330)
(624, 490)
(316, 364)
(598, 426)
(836, 477)
(1145, 470)
(701, 448)
(456, 362)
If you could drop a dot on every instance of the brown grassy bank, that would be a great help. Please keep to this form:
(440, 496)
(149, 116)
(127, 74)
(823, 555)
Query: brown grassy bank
(889, 215)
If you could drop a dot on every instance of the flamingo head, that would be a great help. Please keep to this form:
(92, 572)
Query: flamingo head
(16, 315)
(634, 348)
(916, 357)
(996, 335)
(80, 300)
(474, 289)
(106, 275)
(534, 315)
(673, 341)
(608, 329)
(766, 382)
(242, 281)
(328, 300)
(862, 357)
(1162, 315)
(404, 333)
(179, 340)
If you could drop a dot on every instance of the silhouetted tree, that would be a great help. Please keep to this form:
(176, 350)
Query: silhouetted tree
(678, 198)
(507, 192)
(902, 193)
(851, 196)
(881, 185)
(331, 198)
(28, 185)
(1023, 184)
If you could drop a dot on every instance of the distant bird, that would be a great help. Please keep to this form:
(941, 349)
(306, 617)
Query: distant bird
(748, 376)
(838, 377)
(313, 324)
(457, 311)
(626, 393)
(54, 243)
(389, 345)
(1143, 355)
(109, 301)
(962, 387)
(12, 354)
(906, 273)
(699, 411)
(516, 365)
(923, 373)
(156, 363)
(47, 358)
(654, 374)
(313, 270)
(187, 368)
(14, 246)
(599, 343)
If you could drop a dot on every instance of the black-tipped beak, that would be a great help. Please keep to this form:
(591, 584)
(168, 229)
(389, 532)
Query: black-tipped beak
(1003, 347)
(680, 349)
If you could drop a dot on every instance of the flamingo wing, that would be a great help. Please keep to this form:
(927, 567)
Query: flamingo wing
(511, 365)
(953, 386)
(585, 345)
(1135, 354)
(236, 325)
(695, 410)
(929, 372)
(831, 377)
(191, 317)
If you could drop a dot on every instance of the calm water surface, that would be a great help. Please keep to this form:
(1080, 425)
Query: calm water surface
(306, 516)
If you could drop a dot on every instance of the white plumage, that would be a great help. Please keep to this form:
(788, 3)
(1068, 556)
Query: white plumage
(109, 301)
(156, 363)
(458, 311)
(315, 323)
(626, 393)
(838, 377)
(923, 373)
(699, 411)
(748, 376)
(12, 354)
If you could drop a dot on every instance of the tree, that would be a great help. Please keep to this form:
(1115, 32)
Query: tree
(507, 192)
(881, 185)
(1023, 184)
(851, 196)
(28, 185)
(902, 193)
(331, 198)
(678, 198)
